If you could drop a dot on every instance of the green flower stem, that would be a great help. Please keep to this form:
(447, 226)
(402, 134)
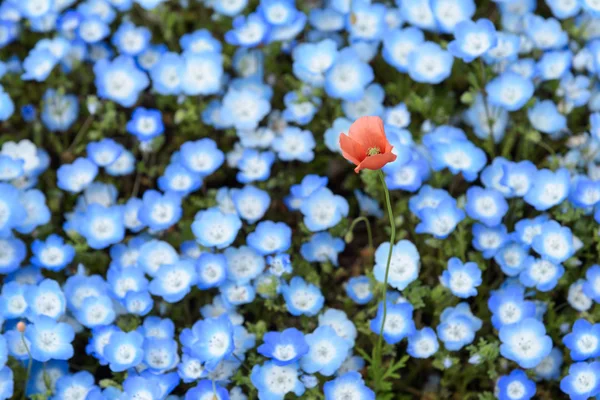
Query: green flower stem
(367, 223)
(377, 357)
(28, 365)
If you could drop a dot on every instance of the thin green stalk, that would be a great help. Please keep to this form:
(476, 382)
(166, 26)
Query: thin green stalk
(388, 203)
(367, 223)
(28, 365)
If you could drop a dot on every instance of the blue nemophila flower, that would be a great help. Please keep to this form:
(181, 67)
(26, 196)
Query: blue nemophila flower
(338, 320)
(348, 385)
(78, 384)
(59, 111)
(50, 339)
(10, 168)
(243, 264)
(404, 265)
(255, 166)
(52, 254)
(312, 60)
(564, 9)
(472, 39)
(46, 299)
(250, 203)
(100, 337)
(509, 90)
(92, 29)
(554, 64)
(38, 213)
(299, 193)
(44, 375)
(485, 119)
(76, 176)
(12, 253)
(527, 229)
(140, 387)
(104, 152)
(441, 220)
(511, 257)
(359, 289)
(131, 40)
(323, 210)
(120, 80)
(422, 343)
(13, 303)
(152, 255)
(322, 247)
(583, 381)
(295, 144)
(546, 34)
(155, 327)
(248, 31)
(398, 322)
(138, 302)
(178, 179)
(449, 13)
(160, 211)
(284, 347)
(212, 341)
(429, 63)
(302, 298)
(279, 264)
(273, 381)
(367, 22)
(427, 197)
(38, 65)
(584, 192)
(370, 104)
(212, 270)
(299, 111)
(202, 73)
(456, 331)
(160, 354)
(546, 118)
(270, 237)
(79, 287)
(200, 41)
(583, 341)
(327, 351)
(213, 228)
(123, 281)
(554, 243)
(525, 342)
(489, 240)
(173, 282)
(459, 156)
(244, 108)
(207, 389)
(508, 306)
(577, 297)
(407, 173)
(145, 123)
(236, 294)
(102, 226)
(541, 274)
(201, 156)
(166, 74)
(486, 205)
(124, 350)
(190, 369)
(515, 386)
(591, 286)
(398, 44)
(461, 279)
(96, 312)
(348, 76)
(417, 13)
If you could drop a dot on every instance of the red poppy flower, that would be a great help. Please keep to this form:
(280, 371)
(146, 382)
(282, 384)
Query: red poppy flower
(366, 145)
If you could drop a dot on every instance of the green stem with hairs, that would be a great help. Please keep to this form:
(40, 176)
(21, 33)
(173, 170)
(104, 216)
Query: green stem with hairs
(28, 365)
(378, 350)
(369, 233)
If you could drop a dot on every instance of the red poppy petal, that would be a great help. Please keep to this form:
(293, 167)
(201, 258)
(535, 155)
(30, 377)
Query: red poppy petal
(352, 150)
(376, 162)
(369, 132)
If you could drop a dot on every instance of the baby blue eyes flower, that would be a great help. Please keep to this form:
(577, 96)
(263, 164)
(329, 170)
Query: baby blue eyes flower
(270, 237)
(429, 63)
(554, 243)
(472, 39)
(305, 66)
(202, 156)
(509, 91)
(541, 274)
(348, 76)
(250, 203)
(212, 270)
(398, 44)
(173, 282)
(404, 265)
(508, 306)
(359, 289)
(326, 351)
(96, 312)
(546, 118)
(302, 298)
(348, 385)
(212, 341)
(120, 80)
(145, 123)
(124, 350)
(207, 389)
(160, 211)
(583, 341)
(549, 189)
(273, 381)
(398, 322)
(423, 343)
(516, 386)
(102, 226)
(322, 209)
(284, 347)
(255, 166)
(77, 176)
(456, 331)
(322, 247)
(295, 144)
(50, 339)
(459, 156)
(583, 381)
(46, 299)
(462, 279)
(212, 228)
(486, 205)
(525, 342)
(441, 220)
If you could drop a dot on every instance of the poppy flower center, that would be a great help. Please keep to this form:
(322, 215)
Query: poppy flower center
(373, 151)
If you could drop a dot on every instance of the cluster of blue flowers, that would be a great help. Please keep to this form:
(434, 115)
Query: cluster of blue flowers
(228, 270)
